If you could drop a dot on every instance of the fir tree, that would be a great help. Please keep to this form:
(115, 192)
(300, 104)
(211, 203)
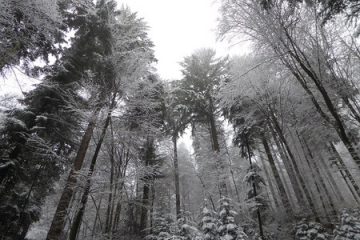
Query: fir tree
(208, 223)
(305, 230)
(349, 226)
(227, 227)
(161, 229)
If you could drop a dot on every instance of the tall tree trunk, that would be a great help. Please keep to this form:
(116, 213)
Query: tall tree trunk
(255, 192)
(314, 166)
(232, 174)
(300, 57)
(148, 180)
(271, 186)
(116, 208)
(58, 221)
(176, 176)
(316, 180)
(117, 215)
(332, 180)
(110, 201)
(152, 206)
(216, 146)
(97, 216)
(144, 207)
(296, 169)
(122, 167)
(78, 217)
(284, 178)
(213, 131)
(344, 168)
(289, 169)
(283, 196)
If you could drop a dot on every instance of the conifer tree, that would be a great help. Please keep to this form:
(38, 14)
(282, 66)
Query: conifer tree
(349, 225)
(30, 30)
(208, 223)
(227, 227)
(203, 72)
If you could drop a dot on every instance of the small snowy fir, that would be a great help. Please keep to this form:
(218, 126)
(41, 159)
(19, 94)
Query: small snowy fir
(227, 228)
(349, 225)
(305, 230)
(208, 223)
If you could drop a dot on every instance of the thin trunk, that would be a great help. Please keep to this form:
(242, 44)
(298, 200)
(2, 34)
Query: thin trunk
(295, 166)
(271, 186)
(290, 171)
(232, 174)
(352, 109)
(117, 215)
(344, 168)
(77, 221)
(315, 179)
(297, 54)
(97, 215)
(109, 207)
(314, 166)
(255, 192)
(332, 180)
(283, 196)
(152, 208)
(113, 212)
(206, 191)
(121, 173)
(284, 179)
(176, 176)
(58, 222)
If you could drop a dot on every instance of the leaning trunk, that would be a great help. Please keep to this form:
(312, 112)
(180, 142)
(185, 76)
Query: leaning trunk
(295, 166)
(283, 196)
(290, 171)
(347, 173)
(58, 222)
(77, 221)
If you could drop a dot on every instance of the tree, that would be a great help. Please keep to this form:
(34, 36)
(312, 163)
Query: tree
(305, 57)
(177, 119)
(37, 141)
(327, 9)
(30, 30)
(208, 222)
(227, 228)
(105, 35)
(202, 73)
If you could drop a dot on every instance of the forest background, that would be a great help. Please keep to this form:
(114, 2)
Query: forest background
(91, 151)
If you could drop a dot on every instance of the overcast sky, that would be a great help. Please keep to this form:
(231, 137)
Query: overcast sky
(178, 28)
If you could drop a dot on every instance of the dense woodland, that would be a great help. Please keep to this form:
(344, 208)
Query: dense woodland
(93, 150)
